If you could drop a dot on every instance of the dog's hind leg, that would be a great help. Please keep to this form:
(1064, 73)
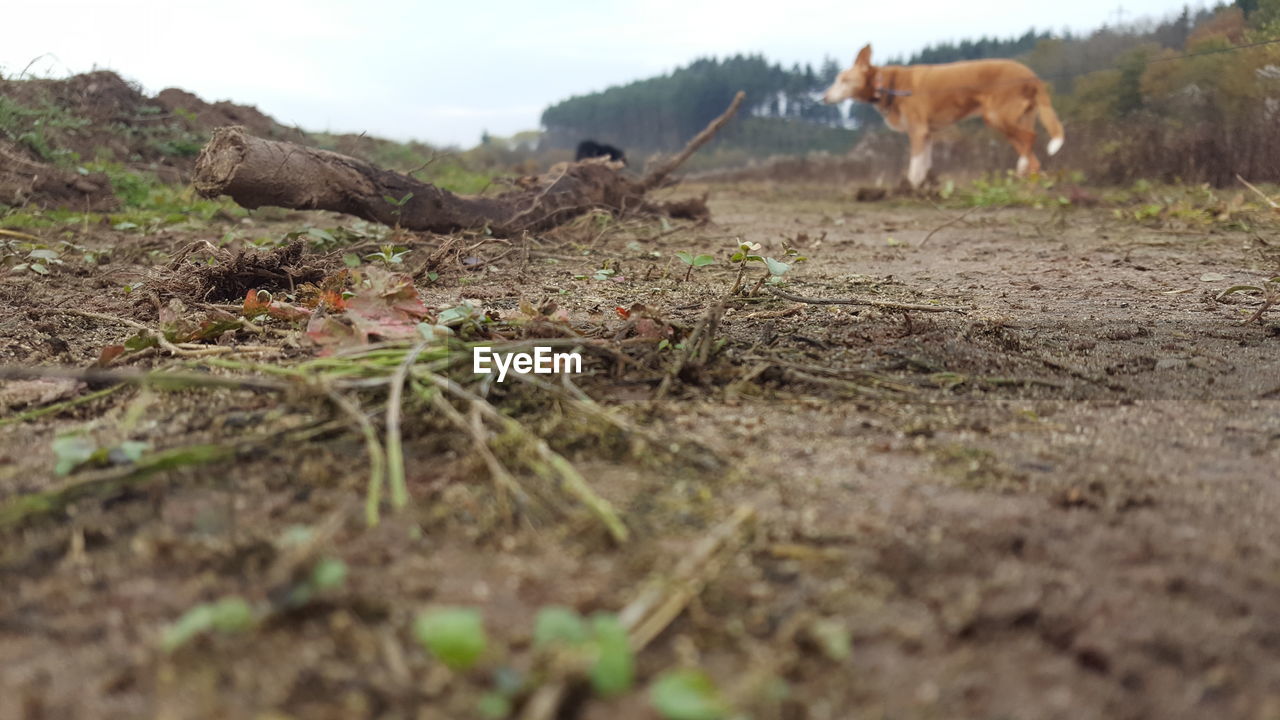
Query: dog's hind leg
(1021, 134)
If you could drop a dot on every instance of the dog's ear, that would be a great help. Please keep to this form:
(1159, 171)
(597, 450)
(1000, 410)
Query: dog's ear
(864, 57)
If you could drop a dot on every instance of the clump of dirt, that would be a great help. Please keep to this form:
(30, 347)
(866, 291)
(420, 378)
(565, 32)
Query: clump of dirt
(203, 117)
(52, 126)
(234, 274)
(96, 114)
(24, 181)
(694, 208)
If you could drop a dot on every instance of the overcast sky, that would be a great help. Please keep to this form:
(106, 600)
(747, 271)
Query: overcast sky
(444, 72)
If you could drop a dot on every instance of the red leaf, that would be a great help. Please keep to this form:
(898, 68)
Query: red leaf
(109, 353)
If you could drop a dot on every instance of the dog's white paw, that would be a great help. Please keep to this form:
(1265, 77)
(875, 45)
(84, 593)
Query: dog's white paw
(1055, 145)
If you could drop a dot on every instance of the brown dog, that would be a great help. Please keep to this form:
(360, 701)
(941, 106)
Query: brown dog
(920, 99)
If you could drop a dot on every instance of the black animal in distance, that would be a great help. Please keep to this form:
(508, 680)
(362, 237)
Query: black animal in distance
(592, 149)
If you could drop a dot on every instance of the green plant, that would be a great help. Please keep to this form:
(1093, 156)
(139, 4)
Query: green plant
(230, 615)
(775, 269)
(687, 695)
(389, 255)
(398, 205)
(37, 260)
(455, 636)
(694, 262)
(77, 450)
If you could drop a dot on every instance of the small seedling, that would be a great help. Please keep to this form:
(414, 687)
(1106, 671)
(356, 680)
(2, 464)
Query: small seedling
(832, 637)
(328, 573)
(687, 695)
(229, 615)
(775, 269)
(694, 262)
(455, 636)
(78, 450)
(38, 261)
(398, 205)
(388, 255)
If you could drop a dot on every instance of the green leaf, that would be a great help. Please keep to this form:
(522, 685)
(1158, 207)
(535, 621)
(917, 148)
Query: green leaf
(71, 452)
(141, 341)
(328, 573)
(686, 257)
(39, 268)
(776, 267)
(192, 623)
(129, 451)
(702, 260)
(493, 706)
(125, 226)
(556, 624)
(454, 635)
(833, 637)
(324, 236)
(232, 615)
(687, 695)
(737, 257)
(43, 254)
(614, 668)
(456, 314)
(295, 536)
(351, 260)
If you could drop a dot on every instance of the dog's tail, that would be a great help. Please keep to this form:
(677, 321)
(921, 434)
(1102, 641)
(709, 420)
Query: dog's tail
(1049, 119)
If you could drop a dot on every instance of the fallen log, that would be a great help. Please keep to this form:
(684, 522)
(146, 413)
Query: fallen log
(256, 172)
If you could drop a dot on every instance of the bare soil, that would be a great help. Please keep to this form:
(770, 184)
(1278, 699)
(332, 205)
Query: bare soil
(1061, 503)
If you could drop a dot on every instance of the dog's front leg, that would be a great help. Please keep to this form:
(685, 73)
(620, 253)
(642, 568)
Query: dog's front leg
(921, 156)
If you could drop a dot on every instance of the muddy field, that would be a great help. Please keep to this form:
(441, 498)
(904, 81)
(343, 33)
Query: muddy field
(1059, 502)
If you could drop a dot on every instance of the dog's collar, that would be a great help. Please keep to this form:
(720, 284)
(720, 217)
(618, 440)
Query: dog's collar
(885, 95)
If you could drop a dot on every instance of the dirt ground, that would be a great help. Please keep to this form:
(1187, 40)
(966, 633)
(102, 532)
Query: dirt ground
(1060, 503)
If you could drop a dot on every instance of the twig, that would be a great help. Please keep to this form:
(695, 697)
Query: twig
(504, 481)
(1261, 194)
(20, 509)
(860, 301)
(538, 199)
(697, 348)
(175, 350)
(20, 235)
(867, 377)
(58, 407)
(552, 466)
(952, 221)
(152, 378)
(377, 455)
(655, 178)
(651, 612)
(395, 442)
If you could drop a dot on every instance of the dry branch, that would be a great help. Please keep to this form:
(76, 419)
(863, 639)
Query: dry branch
(655, 178)
(256, 172)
